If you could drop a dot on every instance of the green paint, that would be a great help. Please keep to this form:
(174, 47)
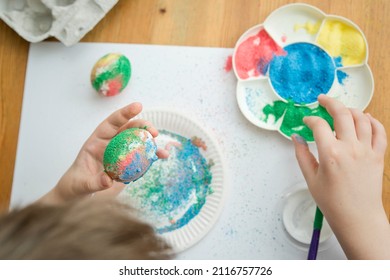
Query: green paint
(318, 219)
(120, 68)
(277, 110)
(119, 146)
(293, 117)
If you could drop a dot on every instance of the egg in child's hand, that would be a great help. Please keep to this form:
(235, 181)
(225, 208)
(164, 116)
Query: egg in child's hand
(129, 155)
(111, 74)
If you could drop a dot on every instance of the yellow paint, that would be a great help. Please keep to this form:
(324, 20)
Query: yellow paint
(342, 40)
(310, 27)
(107, 59)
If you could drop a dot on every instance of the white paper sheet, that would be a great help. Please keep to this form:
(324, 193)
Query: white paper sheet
(61, 109)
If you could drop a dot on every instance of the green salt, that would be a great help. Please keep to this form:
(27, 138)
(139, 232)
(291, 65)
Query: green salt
(293, 117)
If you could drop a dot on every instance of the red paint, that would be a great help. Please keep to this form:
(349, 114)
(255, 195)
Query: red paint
(254, 55)
(114, 87)
(126, 161)
(198, 142)
(228, 64)
(284, 38)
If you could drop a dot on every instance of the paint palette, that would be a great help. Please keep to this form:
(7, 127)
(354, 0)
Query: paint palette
(298, 53)
(181, 196)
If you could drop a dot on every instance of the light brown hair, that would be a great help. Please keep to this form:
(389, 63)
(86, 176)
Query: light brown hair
(86, 229)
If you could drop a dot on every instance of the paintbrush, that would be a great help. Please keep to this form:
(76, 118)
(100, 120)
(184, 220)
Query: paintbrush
(315, 238)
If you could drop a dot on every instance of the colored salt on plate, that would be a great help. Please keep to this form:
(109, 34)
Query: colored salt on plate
(129, 155)
(174, 190)
(111, 74)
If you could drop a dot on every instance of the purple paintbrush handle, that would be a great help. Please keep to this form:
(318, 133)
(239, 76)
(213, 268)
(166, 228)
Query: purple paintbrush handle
(315, 240)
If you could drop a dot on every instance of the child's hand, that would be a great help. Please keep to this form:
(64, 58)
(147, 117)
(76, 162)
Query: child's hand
(86, 175)
(346, 182)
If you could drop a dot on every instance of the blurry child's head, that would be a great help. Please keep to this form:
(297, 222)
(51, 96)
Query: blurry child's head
(86, 229)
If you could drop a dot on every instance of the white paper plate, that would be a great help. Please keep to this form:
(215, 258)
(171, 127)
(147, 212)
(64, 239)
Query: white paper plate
(186, 236)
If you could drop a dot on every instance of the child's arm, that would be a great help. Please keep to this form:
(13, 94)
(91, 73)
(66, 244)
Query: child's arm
(346, 182)
(86, 175)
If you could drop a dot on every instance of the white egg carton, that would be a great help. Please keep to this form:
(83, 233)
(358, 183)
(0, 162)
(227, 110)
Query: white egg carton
(66, 20)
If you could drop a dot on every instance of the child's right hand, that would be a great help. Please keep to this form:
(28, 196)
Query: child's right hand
(346, 182)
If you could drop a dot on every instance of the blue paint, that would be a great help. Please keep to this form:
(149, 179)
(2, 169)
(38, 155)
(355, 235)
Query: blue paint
(254, 99)
(133, 169)
(188, 215)
(338, 61)
(262, 66)
(303, 73)
(150, 148)
(341, 77)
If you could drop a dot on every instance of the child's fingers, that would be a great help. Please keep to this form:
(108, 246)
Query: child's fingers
(162, 154)
(140, 123)
(122, 116)
(362, 126)
(342, 117)
(98, 182)
(306, 160)
(109, 127)
(379, 138)
(322, 132)
(111, 192)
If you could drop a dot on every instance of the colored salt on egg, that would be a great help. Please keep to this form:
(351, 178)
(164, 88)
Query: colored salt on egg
(111, 74)
(129, 155)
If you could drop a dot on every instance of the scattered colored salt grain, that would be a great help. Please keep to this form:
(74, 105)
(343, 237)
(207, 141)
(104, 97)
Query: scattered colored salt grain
(228, 64)
(338, 61)
(129, 155)
(341, 76)
(111, 74)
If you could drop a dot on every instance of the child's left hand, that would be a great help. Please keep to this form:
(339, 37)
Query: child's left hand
(86, 175)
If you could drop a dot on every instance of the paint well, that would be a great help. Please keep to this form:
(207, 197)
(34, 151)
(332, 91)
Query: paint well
(303, 73)
(254, 55)
(343, 40)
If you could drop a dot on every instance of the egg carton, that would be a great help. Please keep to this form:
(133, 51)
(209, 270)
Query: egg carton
(66, 20)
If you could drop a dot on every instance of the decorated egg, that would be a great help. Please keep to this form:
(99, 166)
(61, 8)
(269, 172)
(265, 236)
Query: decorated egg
(129, 155)
(111, 74)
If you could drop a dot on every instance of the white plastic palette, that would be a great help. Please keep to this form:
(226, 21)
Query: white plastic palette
(261, 84)
(67, 20)
(189, 234)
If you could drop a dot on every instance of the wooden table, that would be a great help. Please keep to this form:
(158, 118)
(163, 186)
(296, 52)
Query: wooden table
(212, 23)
